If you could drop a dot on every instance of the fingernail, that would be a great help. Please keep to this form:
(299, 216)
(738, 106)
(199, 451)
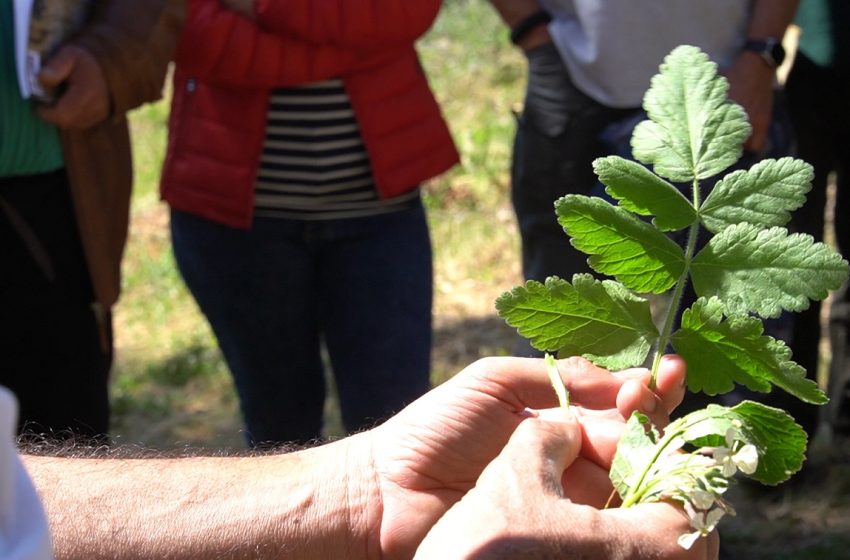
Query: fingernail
(650, 403)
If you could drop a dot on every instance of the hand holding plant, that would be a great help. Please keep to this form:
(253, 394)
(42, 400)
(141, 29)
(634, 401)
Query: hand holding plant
(751, 267)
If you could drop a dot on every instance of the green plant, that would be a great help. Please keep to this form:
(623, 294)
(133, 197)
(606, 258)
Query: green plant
(751, 267)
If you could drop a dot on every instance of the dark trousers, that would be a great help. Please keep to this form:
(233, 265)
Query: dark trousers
(52, 346)
(819, 101)
(274, 293)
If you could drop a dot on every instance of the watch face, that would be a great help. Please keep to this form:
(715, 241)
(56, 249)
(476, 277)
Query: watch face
(777, 53)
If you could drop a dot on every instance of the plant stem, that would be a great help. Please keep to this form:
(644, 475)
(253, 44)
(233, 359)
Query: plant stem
(679, 290)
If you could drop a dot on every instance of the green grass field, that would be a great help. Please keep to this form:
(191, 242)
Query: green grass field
(172, 389)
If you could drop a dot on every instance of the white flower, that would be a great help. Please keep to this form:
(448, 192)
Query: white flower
(747, 459)
(703, 521)
(731, 459)
(702, 499)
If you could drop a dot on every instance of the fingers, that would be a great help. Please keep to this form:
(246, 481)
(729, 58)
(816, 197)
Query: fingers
(670, 384)
(666, 523)
(58, 67)
(543, 447)
(86, 100)
(523, 382)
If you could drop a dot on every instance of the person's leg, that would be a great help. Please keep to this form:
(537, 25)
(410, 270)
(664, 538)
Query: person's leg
(558, 137)
(256, 288)
(376, 293)
(56, 357)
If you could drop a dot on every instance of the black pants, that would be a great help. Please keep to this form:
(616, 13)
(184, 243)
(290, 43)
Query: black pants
(819, 99)
(55, 357)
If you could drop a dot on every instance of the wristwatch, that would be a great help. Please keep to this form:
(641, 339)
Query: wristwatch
(770, 49)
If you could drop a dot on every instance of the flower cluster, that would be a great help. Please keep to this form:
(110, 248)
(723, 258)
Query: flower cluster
(702, 498)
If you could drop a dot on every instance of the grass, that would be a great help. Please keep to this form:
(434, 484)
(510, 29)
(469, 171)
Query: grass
(172, 389)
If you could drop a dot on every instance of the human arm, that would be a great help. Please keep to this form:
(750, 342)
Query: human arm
(751, 78)
(375, 494)
(116, 63)
(512, 12)
(522, 508)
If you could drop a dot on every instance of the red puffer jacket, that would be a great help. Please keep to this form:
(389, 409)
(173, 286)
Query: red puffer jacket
(226, 66)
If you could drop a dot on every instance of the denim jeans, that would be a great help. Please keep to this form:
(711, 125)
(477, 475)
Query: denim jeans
(274, 293)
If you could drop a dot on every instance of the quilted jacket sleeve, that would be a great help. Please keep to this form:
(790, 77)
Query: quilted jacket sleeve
(349, 23)
(133, 42)
(224, 47)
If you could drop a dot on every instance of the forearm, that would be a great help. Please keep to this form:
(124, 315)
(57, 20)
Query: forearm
(513, 12)
(770, 18)
(309, 504)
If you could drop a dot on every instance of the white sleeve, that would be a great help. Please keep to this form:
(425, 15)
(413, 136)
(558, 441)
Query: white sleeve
(23, 528)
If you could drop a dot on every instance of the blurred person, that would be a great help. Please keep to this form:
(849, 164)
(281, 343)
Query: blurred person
(65, 181)
(818, 92)
(474, 468)
(589, 66)
(299, 136)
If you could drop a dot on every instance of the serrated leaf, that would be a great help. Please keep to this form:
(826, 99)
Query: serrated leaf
(635, 450)
(602, 321)
(620, 244)
(766, 270)
(641, 191)
(763, 195)
(781, 442)
(720, 353)
(693, 131)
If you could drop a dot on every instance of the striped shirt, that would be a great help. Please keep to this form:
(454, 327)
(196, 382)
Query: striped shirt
(314, 165)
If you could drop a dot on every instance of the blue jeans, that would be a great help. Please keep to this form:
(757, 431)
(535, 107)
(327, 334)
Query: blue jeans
(273, 293)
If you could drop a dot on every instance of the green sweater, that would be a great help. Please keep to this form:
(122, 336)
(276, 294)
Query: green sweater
(28, 145)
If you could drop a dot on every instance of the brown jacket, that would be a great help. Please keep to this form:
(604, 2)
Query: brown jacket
(133, 42)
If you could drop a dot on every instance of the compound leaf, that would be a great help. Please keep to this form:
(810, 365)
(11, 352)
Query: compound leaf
(766, 270)
(641, 191)
(694, 132)
(600, 320)
(720, 353)
(763, 195)
(620, 244)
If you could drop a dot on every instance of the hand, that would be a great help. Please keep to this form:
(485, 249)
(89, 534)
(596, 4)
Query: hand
(429, 455)
(519, 509)
(85, 102)
(244, 7)
(751, 86)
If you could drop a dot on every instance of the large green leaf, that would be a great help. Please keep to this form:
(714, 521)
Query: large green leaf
(694, 132)
(641, 191)
(721, 353)
(620, 244)
(780, 441)
(602, 321)
(766, 270)
(763, 195)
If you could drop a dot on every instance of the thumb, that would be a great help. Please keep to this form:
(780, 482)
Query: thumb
(539, 451)
(58, 67)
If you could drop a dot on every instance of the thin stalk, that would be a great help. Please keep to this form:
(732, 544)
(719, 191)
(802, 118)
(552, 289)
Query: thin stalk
(679, 290)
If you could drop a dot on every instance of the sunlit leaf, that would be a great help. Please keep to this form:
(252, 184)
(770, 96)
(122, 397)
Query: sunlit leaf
(641, 191)
(694, 132)
(599, 320)
(766, 271)
(721, 353)
(620, 244)
(763, 195)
